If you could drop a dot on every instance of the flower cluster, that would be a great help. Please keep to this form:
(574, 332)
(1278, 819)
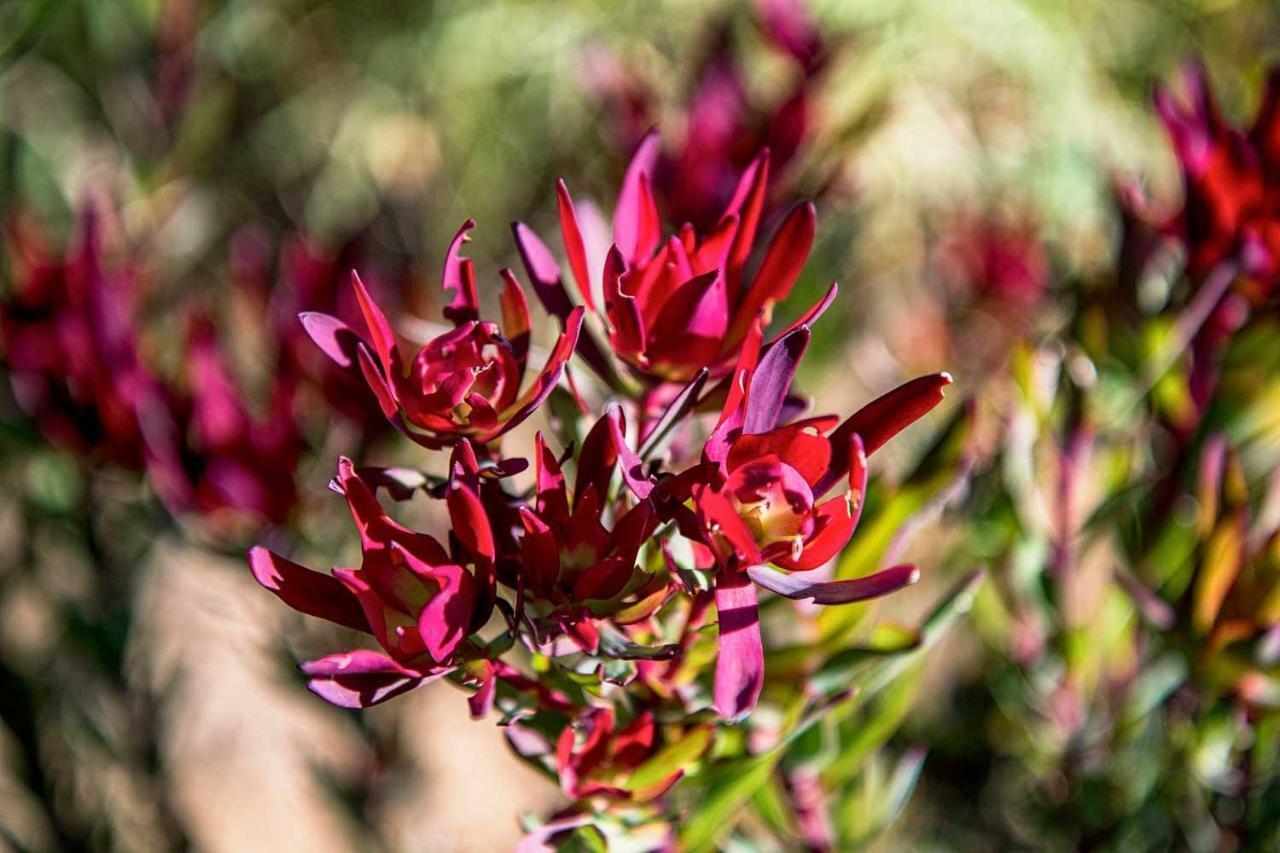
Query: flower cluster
(83, 367)
(611, 607)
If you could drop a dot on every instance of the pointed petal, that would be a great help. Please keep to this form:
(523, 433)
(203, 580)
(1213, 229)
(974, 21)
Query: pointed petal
(334, 337)
(574, 246)
(307, 591)
(380, 334)
(360, 679)
(635, 210)
(516, 324)
(882, 419)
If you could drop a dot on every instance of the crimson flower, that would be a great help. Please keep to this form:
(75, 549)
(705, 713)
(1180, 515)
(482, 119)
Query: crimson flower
(419, 599)
(672, 305)
(572, 568)
(463, 383)
(1231, 178)
(757, 501)
(71, 348)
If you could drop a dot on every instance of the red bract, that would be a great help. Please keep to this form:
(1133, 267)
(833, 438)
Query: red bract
(758, 500)
(419, 599)
(571, 567)
(594, 759)
(463, 383)
(675, 305)
(1231, 179)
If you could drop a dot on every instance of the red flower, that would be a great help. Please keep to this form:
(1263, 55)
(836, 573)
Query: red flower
(419, 599)
(463, 383)
(594, 759)
(758, 500)
(1231, 178)
(674, 305)
(70, 347)
(572, 568)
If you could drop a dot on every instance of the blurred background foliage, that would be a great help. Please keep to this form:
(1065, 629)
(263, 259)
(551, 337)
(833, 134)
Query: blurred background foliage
(136, 655)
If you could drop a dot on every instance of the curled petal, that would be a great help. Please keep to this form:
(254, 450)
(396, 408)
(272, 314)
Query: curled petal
(459, 279)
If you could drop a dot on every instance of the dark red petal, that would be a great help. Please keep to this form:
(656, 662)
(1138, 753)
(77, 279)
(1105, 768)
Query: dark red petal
(882, 419)
(546, 381)
(516, 324)
(782, 265)
(470, 524)
(307, 591)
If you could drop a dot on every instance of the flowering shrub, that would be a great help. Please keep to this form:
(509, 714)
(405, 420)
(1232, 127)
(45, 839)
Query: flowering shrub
(626, 596)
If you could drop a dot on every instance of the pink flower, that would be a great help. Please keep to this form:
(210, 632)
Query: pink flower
(672, 305)
(463, 383)
(419, 599)
(1231, 178)
(758, 500)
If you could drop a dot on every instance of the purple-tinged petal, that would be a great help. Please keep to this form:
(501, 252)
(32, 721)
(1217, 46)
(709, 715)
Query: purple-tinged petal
(631, 465)
(772, 380)
(795, 585)
(543, 271)
(334, 338)
(307, 591)
(361, 678)
(740, 662)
